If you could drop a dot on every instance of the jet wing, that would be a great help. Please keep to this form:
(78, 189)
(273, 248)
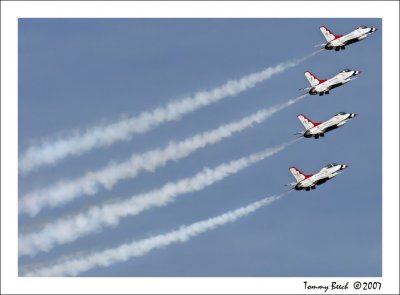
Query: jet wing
(351, 78)
(321, 181)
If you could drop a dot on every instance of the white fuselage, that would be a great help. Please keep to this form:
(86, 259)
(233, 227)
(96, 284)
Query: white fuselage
(336, 81)
(322, 176)
(333, 123)
(355, 36)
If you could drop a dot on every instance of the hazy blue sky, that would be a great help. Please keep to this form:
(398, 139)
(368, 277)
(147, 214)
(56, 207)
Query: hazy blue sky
(75, 73)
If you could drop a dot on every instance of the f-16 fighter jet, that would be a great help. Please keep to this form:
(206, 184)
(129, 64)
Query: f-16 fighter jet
(317, 129)
(322, 87)
(339, 42)
(310, 181)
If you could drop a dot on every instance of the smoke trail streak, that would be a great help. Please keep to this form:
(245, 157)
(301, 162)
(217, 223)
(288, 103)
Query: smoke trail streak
(69, 229)
(49, 152)
(73, 267)
(67, 190)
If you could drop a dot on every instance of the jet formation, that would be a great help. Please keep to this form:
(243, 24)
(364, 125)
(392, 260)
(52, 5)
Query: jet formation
(320, 87)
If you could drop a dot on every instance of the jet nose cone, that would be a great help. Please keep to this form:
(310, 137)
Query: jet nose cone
(344, 166)
(374, 29)
(353, 115)
(357, 72)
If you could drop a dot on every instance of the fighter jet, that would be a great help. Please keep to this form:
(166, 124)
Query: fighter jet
(339, 42)
(318, 129)
(322, 87)
(310, 181)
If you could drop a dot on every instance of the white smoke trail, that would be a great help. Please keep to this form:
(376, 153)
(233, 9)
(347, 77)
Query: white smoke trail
(66, 190)
(69, 229)
(49, 152)
(73, 267)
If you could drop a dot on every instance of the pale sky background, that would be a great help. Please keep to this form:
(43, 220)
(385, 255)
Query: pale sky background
(75, 73)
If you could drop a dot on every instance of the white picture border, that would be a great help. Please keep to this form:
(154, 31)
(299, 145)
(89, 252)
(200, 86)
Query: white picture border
(11, 11)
